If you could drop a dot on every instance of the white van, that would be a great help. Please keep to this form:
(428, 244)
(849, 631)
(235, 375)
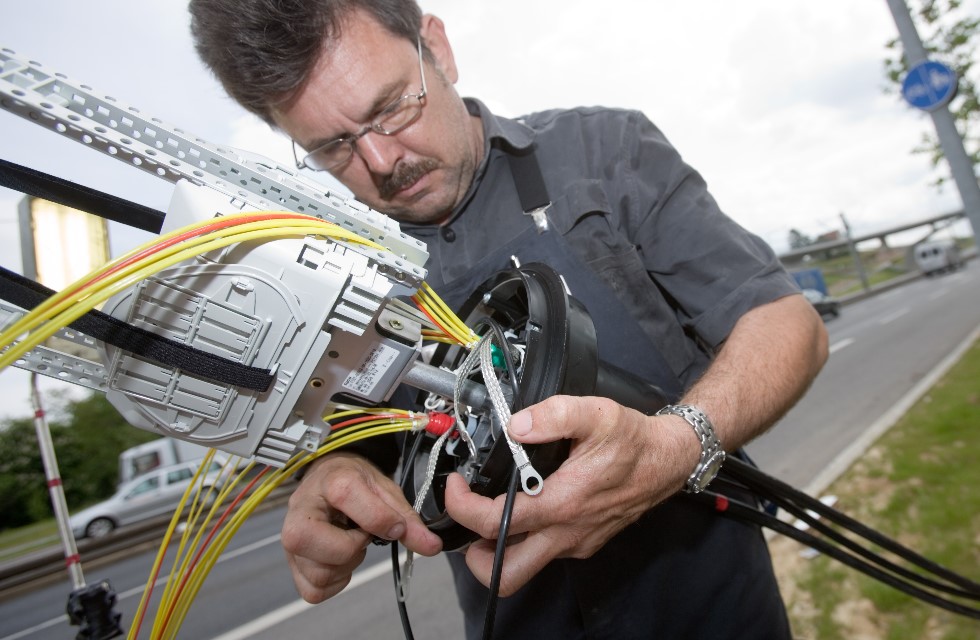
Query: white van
(937, 256)
(161, 452)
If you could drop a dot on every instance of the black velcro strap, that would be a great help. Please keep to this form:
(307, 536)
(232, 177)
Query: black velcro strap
(27, 294)
(48, 187)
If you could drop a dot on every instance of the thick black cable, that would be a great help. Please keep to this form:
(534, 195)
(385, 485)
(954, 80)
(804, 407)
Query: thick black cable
(48, 187)
(871, 556)
(854, 546)
(731, 508)
(771, 488)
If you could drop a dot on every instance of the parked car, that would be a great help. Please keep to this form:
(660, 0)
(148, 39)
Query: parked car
(152, 494)
(824, 304)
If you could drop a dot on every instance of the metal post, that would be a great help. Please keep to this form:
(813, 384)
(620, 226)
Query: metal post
(950, 139)
(855, 255)
(55, 488)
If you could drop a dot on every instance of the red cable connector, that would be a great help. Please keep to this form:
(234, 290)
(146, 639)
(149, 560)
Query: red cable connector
(439, 423)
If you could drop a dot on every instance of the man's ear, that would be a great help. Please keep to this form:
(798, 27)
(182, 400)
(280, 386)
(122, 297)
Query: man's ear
(433, 34)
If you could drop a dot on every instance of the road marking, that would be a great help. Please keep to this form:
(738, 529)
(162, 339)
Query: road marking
(895, 315)
(938, 294)
(862, 443)
(286, 612)
(228, 555)
(137, 591)
(38, 627)
(840, 344)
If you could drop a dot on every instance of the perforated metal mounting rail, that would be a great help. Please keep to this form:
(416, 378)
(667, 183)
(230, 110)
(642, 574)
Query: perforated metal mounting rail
(75, 111)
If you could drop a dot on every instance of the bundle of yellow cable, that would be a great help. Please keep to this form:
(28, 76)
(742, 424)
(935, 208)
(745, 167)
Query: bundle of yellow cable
(451, 328)
(65, 307)
(196, 557)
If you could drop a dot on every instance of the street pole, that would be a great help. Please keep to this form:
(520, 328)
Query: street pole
(950, 139)
(852, 247)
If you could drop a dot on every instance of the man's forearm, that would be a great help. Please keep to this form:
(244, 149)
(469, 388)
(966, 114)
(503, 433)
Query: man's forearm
(772, 355)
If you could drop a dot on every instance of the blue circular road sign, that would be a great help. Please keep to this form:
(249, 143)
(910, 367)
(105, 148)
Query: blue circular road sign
(929, 85)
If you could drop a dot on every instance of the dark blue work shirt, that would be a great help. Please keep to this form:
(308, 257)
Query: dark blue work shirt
(634, 218)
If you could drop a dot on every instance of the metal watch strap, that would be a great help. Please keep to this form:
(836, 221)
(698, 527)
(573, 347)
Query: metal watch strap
(712, 453)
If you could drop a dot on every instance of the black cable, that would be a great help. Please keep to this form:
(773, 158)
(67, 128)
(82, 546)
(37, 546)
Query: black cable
(871, 556)
(498, 333)
(780, 492)
(402, 609)
(732, 508)
(408, 464)
(498, 557)
(773, 489)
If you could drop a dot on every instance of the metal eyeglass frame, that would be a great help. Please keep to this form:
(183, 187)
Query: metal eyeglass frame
(376, 125)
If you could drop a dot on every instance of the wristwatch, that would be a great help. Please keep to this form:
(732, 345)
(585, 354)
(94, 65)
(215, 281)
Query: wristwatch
(712, 454)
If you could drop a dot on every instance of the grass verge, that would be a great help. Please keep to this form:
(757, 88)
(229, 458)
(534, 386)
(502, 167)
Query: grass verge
(919, 484)
(23, 540)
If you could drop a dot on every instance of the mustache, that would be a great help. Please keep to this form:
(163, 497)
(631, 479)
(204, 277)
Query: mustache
(404, 175)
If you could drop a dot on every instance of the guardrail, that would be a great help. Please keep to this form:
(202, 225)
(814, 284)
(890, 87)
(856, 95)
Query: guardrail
(46, 566)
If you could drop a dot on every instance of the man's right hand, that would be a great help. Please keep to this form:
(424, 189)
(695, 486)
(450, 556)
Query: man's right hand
(341, 503)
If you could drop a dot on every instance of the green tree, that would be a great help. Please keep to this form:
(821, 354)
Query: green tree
(949, 35)
(88, 438)
(23, 489)
(798, 239)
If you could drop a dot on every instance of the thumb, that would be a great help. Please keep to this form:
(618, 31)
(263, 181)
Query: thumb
(565, 417)
(546, 421)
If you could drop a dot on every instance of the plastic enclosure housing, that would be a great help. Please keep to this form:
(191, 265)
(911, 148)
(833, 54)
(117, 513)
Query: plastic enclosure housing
(305, 308)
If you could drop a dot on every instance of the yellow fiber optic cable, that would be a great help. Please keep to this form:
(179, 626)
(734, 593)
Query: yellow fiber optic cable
(158, 561)
(72, 310)
(199, 572)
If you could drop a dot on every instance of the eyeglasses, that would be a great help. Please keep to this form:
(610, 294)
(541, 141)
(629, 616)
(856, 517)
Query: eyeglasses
(394, 118)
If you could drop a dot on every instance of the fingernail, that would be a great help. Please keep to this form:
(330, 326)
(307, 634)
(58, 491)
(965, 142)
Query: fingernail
(396, 532)
(520, 423)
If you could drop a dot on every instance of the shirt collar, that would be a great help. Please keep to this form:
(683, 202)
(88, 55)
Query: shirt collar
(498, 133)
(511, 135)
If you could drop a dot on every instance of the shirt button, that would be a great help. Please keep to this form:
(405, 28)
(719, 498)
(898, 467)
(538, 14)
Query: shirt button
(448, 234)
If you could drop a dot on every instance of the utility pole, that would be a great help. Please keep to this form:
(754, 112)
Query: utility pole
(855, 255)
(949, 138)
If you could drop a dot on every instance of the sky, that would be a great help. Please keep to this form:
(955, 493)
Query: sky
(779, 105)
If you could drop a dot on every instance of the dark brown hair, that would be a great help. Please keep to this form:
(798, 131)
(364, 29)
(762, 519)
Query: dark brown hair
(262, 51)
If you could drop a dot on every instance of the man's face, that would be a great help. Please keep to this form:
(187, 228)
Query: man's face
(420, 173)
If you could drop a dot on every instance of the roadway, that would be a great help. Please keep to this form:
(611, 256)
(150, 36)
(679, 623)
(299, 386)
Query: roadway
(882, 348)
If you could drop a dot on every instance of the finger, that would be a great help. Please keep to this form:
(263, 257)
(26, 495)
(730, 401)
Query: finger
(308, 533)
(482, 515)
(522, 561)
(375, 504)
(415, 535)
(563, 417)
(315, 582)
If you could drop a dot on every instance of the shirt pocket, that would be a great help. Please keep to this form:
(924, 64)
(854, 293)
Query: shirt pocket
(587, 222)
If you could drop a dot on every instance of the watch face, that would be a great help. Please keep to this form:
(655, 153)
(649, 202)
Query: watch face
(707, 471)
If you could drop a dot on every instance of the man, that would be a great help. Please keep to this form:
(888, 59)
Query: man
(680, 295)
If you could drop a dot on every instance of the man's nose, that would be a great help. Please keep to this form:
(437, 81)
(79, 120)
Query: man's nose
(380, 153)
